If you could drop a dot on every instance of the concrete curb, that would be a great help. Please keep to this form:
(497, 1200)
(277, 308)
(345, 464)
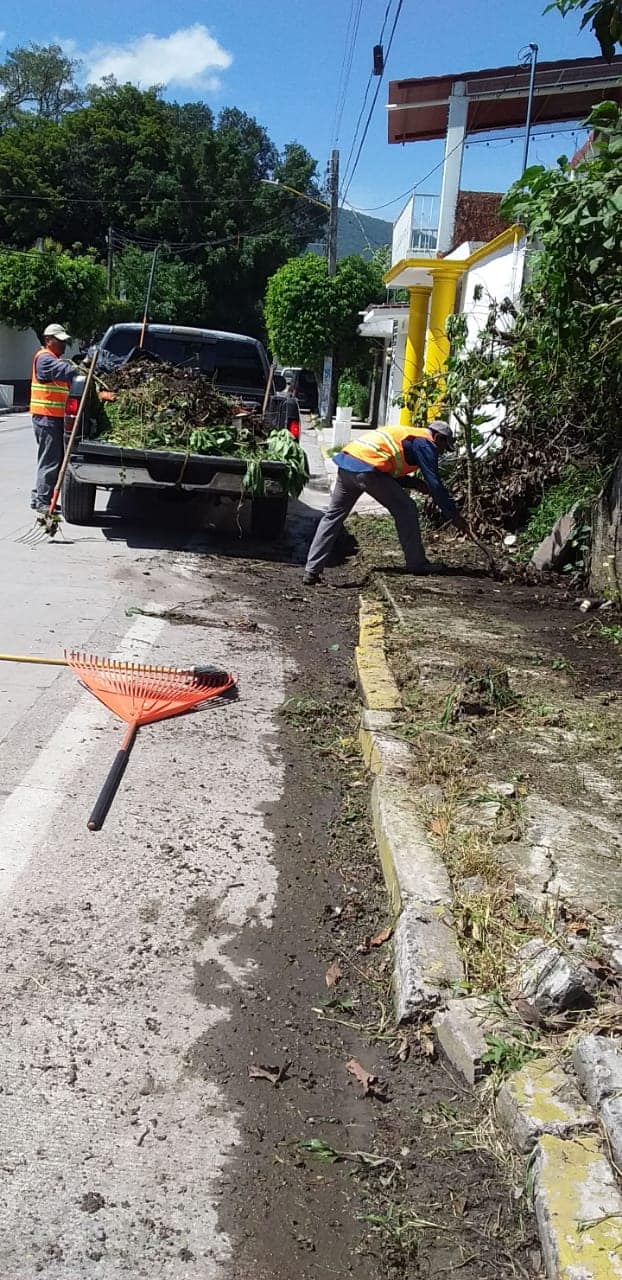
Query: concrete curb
(427, 961)
(577, 1200)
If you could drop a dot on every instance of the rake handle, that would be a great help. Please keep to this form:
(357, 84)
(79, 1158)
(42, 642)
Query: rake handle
(74, 432)
(111, 785)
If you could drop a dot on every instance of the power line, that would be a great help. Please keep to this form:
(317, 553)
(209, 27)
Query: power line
(475, 142)
(348, 184)
(354, 21)
(365, 96)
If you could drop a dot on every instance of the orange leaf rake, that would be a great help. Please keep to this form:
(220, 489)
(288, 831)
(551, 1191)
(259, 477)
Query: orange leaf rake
(139, 695)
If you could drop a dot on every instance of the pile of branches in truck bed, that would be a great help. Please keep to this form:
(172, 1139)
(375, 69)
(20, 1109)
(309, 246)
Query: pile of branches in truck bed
(162, 406)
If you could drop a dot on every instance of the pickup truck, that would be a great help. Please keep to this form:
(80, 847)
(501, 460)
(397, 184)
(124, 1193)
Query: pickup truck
(239, 367)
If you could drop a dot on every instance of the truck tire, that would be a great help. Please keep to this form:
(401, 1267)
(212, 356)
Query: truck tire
(78, 500)
(268, 517)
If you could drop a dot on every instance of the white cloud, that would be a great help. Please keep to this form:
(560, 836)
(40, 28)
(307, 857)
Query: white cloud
(190, 57)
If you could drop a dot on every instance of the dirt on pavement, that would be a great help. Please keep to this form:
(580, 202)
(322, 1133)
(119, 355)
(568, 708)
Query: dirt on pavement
(361, 1153)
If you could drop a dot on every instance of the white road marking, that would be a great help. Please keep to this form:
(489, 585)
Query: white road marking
(27, 813)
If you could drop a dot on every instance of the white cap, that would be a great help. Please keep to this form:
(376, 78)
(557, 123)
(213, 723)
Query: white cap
(56, 331)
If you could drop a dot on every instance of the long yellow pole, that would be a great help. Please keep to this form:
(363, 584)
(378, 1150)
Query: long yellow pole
(23, 657)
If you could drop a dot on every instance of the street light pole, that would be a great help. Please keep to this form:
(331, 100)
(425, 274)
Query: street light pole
(533, 49)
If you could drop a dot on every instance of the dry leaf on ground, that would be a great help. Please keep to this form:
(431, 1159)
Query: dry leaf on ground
(382, 936)
(333, 974)
(372, 1086)
(276, 1075)
(402, 1049)
(439, 826)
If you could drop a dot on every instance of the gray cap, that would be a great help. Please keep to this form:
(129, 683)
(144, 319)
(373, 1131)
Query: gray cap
(443, 429)
(56, 331)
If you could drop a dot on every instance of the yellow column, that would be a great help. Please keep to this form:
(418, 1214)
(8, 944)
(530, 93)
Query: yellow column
(441, 306)
(418, 302)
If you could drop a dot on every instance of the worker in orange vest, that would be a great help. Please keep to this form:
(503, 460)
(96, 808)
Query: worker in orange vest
(382, 463)
(49, 388)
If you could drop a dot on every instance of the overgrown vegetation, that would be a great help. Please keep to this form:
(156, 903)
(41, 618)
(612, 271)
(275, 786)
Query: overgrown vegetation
(561, 374)
(556, 365)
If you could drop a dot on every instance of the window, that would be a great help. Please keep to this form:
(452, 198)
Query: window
(230, 363)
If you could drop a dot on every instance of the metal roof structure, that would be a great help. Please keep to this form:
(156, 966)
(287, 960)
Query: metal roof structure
(497, 97)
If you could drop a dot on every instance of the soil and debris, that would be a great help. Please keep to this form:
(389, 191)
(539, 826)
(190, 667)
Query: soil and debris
(369, 1158)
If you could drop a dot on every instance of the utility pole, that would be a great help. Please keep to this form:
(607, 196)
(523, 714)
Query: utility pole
(533, 49)
(109, 263)
(331, 254)
(333, 216)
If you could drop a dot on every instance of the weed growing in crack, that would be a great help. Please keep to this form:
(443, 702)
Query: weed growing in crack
(510, 1052)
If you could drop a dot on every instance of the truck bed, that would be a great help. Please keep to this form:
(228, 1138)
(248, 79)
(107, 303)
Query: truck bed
(111, 466)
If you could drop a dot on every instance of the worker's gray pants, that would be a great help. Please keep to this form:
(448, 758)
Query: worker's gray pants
(348, 488)
(50, 442)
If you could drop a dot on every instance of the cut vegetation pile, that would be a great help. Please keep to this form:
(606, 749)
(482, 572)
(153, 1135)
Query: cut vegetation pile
(161, 406)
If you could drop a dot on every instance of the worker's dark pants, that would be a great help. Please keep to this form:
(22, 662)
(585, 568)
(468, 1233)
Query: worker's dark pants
(348, 488)
(49, 437)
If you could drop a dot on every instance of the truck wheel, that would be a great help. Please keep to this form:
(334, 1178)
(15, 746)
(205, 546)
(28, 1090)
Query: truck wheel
(268, 517)
(78, 500)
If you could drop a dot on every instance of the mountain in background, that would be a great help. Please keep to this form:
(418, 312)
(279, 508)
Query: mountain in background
(357, 233)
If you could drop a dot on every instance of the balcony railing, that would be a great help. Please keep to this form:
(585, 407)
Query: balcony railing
(415, 231)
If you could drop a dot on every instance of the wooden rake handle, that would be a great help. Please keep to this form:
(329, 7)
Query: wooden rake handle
(74, 432)
(111, 785)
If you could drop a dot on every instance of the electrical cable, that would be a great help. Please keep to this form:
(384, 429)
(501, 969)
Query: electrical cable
(348, 183)
(365, 97)
(353, 25)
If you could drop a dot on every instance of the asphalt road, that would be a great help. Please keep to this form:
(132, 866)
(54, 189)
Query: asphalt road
(112, 1151)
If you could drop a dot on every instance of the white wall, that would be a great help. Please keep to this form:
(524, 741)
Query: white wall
(17, 347)
(500, 276)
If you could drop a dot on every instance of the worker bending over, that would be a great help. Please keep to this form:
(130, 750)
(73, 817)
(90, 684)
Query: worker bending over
(382, 464)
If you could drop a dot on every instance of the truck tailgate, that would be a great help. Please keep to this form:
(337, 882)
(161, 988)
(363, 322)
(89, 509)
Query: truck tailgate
(110, 466)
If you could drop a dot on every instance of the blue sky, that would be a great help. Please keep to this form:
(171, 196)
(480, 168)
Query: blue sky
(282, 60)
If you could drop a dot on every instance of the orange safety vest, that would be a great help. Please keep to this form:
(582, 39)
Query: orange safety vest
(384, 449)
(47, 399)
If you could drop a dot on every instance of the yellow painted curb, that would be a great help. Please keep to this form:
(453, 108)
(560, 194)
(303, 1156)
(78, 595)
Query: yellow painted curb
(378, 688)
(579, 1210)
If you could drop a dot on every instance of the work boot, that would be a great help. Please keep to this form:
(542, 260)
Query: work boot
(311, 580)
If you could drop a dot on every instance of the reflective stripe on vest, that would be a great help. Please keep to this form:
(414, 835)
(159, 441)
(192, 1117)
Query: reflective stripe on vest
(47, 399)
(384, 449)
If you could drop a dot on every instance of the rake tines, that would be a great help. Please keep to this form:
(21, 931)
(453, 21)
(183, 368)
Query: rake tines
(141, 694)
(45, 526)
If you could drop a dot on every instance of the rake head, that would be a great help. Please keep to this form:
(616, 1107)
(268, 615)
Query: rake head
(141, 694)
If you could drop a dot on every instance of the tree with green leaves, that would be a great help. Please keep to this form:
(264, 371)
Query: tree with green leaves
(215, 192)
(179, 295)
(39, 79)
(309, 313)
(604, 17)
(36, 288)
